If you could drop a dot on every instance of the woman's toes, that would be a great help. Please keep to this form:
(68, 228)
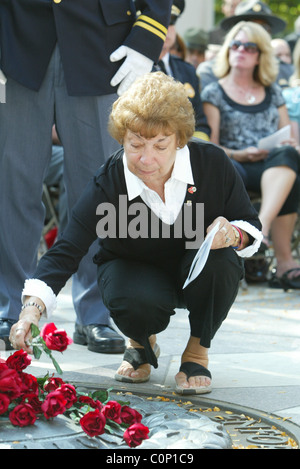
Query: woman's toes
(192, 382)
(126, 369)
(198, 381)
(181, 380)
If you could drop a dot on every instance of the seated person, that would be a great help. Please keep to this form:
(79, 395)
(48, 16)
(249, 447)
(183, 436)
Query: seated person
(257, 12)
(283, 53)
(145, 204)
(196, 41)
(183, 72)
(292, 94)
(244, 106)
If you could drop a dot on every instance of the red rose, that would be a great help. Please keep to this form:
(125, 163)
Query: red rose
(130, 416)
(112, 411)
(135, 434)
(56, 339)
(69, 392)
(34, 401)
(86, 400)
(53, 383)
(10, 382)
(29, 383)
(93, 423)
(54, 404)
(19, 360)
(4, 403)
(22, 415)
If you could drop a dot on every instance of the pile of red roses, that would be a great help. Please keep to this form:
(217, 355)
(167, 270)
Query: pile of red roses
(25, 398)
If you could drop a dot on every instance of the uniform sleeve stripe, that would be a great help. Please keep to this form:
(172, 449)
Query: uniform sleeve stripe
(151, 29)
(154, 23)
(201, 135)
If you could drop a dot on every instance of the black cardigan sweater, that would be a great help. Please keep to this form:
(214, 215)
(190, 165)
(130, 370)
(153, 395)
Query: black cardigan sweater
(217, 185)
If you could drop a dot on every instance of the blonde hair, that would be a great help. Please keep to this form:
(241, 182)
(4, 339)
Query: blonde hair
(295, 78)
(154, 104)
(267, 70)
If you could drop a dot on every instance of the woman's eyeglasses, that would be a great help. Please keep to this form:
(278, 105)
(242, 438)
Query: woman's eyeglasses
(249, 47)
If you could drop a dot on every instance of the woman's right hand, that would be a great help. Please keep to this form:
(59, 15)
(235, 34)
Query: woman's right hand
(20, 333)
(250, 155)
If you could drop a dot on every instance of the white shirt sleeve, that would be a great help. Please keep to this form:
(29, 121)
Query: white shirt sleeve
(38, 288)
(254, 232)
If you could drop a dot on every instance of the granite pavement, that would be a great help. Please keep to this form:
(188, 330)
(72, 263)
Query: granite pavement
(254, 358)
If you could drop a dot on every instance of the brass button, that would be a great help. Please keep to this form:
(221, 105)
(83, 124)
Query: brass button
(128, 12)
(57, 1)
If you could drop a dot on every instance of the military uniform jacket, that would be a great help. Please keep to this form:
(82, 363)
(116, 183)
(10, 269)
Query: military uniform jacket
(86, 31)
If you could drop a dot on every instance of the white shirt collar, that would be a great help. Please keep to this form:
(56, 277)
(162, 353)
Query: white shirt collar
(166, 61)
(182, 171)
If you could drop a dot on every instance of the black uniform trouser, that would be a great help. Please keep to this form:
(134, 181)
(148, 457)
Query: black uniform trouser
(141, 297)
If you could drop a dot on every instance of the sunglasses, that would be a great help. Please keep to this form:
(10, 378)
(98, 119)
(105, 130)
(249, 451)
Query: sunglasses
(249, 47)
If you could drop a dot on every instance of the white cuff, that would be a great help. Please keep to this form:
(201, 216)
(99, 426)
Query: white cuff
(38, 288)
(257, 235)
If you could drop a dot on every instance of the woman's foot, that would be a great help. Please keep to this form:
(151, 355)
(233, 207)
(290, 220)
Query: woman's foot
(286, 276)
(128, 373)
(284, 266)
(193, 378)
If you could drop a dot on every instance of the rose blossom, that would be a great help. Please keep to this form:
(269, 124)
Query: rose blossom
(135, 434)
(56, 339)
(19, 360)
(29, 383)
(4, 403)
(86, 400)
(53, 383)
(22, 415)
(34, 401)
(10, 382)
(112, 411)
(130, 416)
(54, 404)
(93, 423)
(69, 392)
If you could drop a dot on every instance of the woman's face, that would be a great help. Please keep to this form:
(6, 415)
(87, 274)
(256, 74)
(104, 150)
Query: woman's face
(242, 58)
(150, 159)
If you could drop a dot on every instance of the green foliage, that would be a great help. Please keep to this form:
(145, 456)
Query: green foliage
(288, 11)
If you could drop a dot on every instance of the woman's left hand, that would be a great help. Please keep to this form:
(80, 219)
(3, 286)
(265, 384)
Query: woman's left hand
(225, 236)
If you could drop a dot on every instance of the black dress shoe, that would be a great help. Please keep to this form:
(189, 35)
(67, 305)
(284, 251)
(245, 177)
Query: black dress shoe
(5, 327)
(99, 338)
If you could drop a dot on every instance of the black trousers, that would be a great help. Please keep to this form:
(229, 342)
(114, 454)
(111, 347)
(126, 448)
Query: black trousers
(142, 297)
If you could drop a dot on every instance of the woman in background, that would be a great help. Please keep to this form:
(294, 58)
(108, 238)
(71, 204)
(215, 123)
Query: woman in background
(292, 94)
(244, 106)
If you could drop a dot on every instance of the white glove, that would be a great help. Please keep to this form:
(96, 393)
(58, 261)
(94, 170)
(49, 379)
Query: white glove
(135, 65)
(2, 87)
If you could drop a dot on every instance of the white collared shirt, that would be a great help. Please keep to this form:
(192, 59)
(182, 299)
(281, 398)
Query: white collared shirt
(175, 188)
(166, 62)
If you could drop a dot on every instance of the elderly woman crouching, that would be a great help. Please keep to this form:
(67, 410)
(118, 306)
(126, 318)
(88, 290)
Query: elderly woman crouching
(144, 205)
